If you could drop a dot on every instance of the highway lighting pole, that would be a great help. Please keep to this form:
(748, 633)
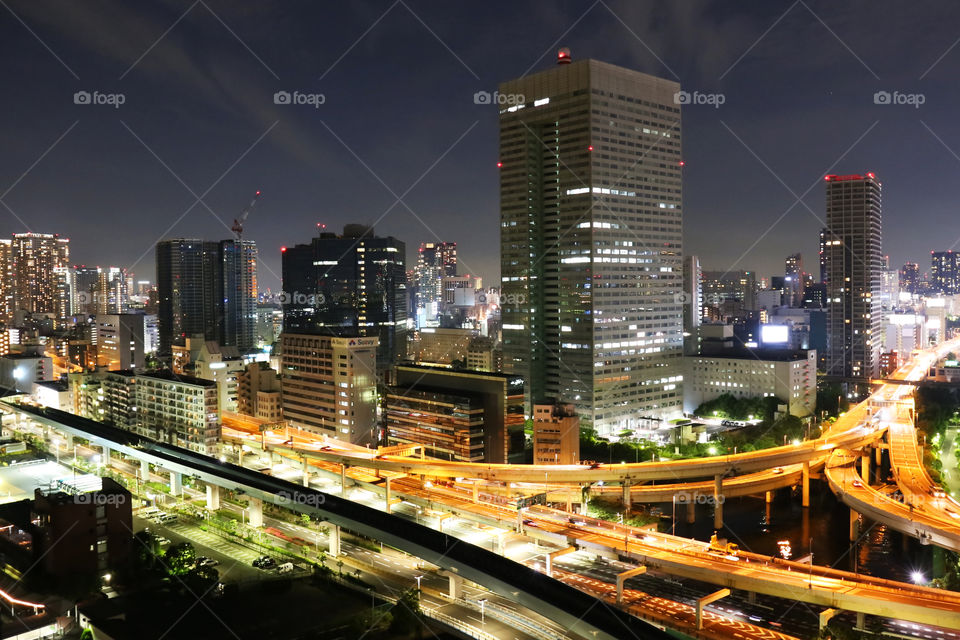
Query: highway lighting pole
(418, 579)
(483, 603)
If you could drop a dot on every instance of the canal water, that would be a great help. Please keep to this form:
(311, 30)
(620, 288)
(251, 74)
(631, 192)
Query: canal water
(785, 528)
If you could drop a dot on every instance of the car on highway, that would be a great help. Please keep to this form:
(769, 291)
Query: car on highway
(938, 492)
(576, 522)
(204, 561)
(529, 523)
(858, 484)
(777, 470)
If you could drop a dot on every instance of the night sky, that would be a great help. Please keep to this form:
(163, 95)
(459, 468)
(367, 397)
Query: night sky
(399, 142)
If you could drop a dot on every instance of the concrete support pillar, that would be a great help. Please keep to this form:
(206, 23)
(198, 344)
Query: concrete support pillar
(854, 524)
(144, 471)
(878, 456)
(752, 597)
(105, 455)
(176, 483)
(717, 502)
(387, 495)
(569, 502)
(769, 497)
(333, 548)
(861, 619)
(691, 512)
(456, 586)
(865, 467)
(621, 577)
(825, 616)
(255, 512)
(626, 493)
(213, 497)
(705, 600)
(306, 472)
(343, 479)
(806, 484)
(476, 491)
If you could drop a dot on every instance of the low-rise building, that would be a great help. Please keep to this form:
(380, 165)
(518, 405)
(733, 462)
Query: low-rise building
(258, 392)
(556, 434)
(457, 415)
(18, 371)
(790, 375)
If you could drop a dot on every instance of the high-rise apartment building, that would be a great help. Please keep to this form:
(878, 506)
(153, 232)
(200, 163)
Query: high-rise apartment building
(329, 386)
(435, 260)
(692, 304)
(40, 273)
(590, 234)
(6, 279)
(945, 272)
(855, 265)
(207, 288)
(910, 278)
(344, 285)
(793, 277)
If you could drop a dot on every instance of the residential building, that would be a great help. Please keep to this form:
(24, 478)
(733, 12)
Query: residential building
(258, 392)
(910, 278)
(179, 409)
(40, 273)
(854, 264)
(945, 272)
(591, 241)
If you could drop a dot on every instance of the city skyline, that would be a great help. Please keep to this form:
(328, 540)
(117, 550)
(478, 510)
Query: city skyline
(236, 132)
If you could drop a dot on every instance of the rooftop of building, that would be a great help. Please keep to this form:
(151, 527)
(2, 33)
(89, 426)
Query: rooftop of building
(56, 385)
(462, 372)
(762, 355)
(170, 376)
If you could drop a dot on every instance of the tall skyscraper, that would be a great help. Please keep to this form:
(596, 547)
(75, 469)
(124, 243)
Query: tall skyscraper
(590, 235)
(793, 279)
(6, 279)
(855, 265)
(824, 243)
(435, 261)
(41, 273)
(348, 285)
(693, 304)
(238, 266)
(910, 278)
(945, 272)
(209, 289)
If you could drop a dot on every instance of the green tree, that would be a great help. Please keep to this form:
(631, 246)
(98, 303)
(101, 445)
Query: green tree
(180, 558)
(406, 614)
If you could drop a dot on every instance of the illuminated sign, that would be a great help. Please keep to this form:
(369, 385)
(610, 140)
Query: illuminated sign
(774, 333)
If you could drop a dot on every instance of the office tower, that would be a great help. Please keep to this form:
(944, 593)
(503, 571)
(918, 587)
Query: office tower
(328, 386)
(120, 341)
(793, 279)
(854, 263)
(40, 269)
(345, 285)
(435, 260)
(457, 415)
(86, 290)
(238, 261)
(209, 289)
(692, 304)
(945, 272)
(910, 278)
(590, 234)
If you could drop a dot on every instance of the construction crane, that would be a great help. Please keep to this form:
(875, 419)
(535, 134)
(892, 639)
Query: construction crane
(237, 227)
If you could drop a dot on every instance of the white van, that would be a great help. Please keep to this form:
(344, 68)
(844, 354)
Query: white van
(286, 567)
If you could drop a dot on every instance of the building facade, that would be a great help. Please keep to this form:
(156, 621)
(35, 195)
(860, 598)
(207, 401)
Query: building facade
(854, 265)
(590, 235)
(180, 410)
(329, 386)
(40, 273)
(556, 434)
(790, 375)
(120, 341)
(350, 284)
(945, 272)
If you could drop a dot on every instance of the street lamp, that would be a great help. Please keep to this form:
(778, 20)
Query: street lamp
(418, 578)
(483, 603)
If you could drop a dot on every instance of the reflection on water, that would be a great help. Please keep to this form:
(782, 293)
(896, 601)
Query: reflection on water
(824, 529)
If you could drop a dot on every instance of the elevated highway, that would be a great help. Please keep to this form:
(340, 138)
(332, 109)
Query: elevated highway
(575, 610)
